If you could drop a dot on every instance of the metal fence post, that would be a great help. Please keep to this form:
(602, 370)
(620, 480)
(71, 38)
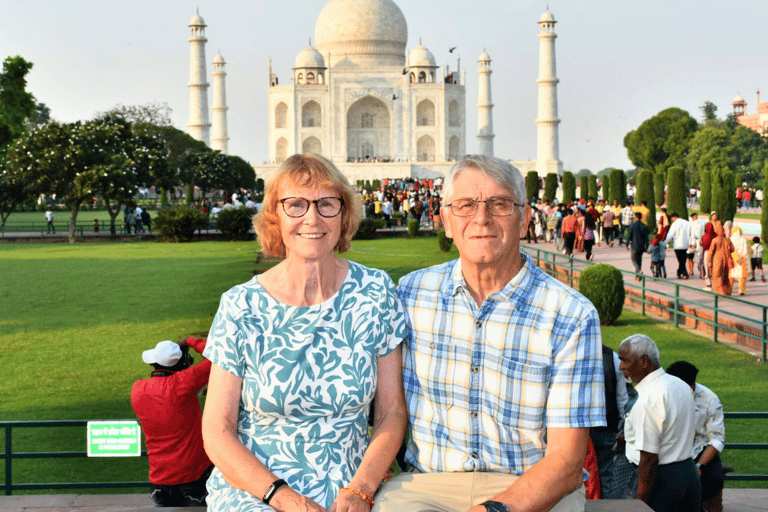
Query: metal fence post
(642, 291)
(570, 272)
(765, 330)
(677, 303)
(714, 327)
(7, 460)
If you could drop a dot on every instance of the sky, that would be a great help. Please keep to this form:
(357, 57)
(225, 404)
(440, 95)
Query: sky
(618, 63)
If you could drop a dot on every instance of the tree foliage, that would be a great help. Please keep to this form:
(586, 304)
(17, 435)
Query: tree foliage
(158, 114)
(592, 186)
(701, 144)
(618, 186)
(16, 104)
(645, 193)
(662, 140)
(569, 187)
(764, 215)
(550, 187)
(532, 185)
(659, 180)
(584, 188)
(723, 193)
(244, 175)
(705, 200)
(676, 200)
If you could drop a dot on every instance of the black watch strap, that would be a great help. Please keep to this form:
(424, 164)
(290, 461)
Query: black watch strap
(270, 492)
(495, 506)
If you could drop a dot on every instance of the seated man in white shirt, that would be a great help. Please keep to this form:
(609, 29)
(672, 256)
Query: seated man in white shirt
(659, 430)
(710, 436)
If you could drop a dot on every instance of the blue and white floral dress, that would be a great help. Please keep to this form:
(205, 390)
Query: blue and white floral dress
(309, 375)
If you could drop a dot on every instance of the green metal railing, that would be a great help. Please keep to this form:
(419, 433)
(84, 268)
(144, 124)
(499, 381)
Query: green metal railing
(650, 289)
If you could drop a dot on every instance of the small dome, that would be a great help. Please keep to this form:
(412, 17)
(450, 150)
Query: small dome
(421, 57)
(484, 56)
(738, 99)
(547, 17)
(197, 20)
(309, 58)
(218, 59)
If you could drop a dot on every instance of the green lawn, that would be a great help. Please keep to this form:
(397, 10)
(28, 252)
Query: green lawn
(75, 319)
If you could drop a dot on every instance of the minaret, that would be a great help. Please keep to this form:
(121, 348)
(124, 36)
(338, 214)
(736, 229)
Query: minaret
(198, 126)
(484, 106)
(219, 136)
(548, 157)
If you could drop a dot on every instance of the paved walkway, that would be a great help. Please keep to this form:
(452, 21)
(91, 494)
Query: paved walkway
(734, 500)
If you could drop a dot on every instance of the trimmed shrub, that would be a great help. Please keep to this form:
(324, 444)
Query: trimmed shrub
(178, 224)
(645, 193)
(235, 224)
(531, 185)
(569, 187)
(658, 188)
(676, 202)
(413, 228)
(764, 215)
(443, 241)
(550, 187)
(618, 186)
(705, 201)
(723, 193)
(603, 285)
(367, 229)
(592, 186)
(584, 188)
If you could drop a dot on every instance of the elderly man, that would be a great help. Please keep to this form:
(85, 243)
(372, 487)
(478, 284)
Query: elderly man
(659, 430)
(503, 369)
(679, 236)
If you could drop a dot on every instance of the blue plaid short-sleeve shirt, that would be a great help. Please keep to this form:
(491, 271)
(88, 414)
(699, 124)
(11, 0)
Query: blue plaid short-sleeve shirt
(483, 383)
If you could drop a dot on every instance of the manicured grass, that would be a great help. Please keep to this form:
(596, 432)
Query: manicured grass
(75, 319)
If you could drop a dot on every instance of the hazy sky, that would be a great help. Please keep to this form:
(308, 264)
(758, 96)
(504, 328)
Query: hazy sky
(618, 62)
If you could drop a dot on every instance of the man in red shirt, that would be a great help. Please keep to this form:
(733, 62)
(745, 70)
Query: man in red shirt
(569, 231)
(169, 411)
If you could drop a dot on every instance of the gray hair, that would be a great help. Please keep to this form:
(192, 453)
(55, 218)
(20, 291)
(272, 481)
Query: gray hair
(499, 171)
(641, 345)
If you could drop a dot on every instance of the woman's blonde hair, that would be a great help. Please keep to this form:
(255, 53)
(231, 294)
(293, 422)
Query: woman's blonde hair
(306, 170)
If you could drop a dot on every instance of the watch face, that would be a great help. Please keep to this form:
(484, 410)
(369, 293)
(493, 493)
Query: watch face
(495, 506)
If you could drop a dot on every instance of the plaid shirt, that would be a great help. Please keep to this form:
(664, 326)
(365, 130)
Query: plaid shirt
(483, 383)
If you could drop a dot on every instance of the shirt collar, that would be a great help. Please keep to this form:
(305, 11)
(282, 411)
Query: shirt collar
(649, 379)
(521, 281)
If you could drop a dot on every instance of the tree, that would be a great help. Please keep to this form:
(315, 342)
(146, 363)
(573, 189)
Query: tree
(583, 172)
(11, 195)
(592, 186)
(662, 140)
(723, 193)
(658, 188)
(748, 152)
(618, 186)
(39, 117)
(584, 188)
(645, 193)
(209, 170)
(532, 185)
(607, 188)
(708, 111)
(245, 176)
(569, 187)
(158, 114)
(705, 201)
(764, 216)
(701, 143)
(676, 201)
(16, 104)
(550, 187)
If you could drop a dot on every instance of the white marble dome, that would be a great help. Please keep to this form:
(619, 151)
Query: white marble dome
(196, 21)
(218, 59)
(421, 57)
(738, 99)
(309, 57)
(364, 32)
(484, 56)
(547, 17)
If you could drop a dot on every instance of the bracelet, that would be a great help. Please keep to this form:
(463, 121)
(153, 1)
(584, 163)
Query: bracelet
(270, 492)
(361, 494)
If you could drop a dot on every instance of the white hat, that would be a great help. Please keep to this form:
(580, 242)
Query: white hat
(166, 353)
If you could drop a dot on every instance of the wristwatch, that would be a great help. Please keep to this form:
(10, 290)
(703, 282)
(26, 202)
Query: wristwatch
(270, 492)
(495, 506)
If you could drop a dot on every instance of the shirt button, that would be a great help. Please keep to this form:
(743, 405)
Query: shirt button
(473, 415)
(432, 346)
(478, 324)
(475, 369)
(475, 455)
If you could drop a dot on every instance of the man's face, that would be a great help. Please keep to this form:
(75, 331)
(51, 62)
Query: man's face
(484, 239)
(633, 367)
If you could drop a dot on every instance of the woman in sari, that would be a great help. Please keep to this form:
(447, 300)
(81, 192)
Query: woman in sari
(720, 260)
(580, 224)
(741, 262)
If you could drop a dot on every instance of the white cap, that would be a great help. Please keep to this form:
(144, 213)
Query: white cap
(166, 353)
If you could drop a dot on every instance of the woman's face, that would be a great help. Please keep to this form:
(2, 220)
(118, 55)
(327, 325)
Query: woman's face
(311, 236)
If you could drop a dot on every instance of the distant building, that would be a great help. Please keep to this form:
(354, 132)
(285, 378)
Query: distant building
(758, 121)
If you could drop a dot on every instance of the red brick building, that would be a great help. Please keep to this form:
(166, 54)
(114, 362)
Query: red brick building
(757, 121)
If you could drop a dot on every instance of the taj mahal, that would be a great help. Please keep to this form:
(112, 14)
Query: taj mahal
(376, 110)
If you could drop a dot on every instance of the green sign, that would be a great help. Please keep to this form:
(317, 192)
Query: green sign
(114, 439)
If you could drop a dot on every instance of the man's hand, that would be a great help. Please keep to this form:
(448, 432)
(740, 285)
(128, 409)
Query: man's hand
(182, 342)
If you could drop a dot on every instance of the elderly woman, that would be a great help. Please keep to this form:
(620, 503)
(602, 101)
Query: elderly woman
(719, 259)
(299, 352)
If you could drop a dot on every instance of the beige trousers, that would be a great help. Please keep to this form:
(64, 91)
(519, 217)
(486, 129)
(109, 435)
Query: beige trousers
(454, 492)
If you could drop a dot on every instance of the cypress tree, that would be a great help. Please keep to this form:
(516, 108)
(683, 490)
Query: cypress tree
(550, 187)
(764, 216)
(645, 193)
(569, 187)
(618, 186)
(532, 185)
(584, 188)
(658, 187)
(723, 193)
(705, 201)
(607, 188)
(593, 186)
(676, 202)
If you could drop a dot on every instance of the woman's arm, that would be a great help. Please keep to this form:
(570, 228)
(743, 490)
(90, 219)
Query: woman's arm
(240, 467)
(390, 418)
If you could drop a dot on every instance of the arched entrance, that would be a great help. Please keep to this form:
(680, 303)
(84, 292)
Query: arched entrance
(368, 129)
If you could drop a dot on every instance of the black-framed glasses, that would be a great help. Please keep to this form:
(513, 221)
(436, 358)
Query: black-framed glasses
(298, 206)
(497, 206)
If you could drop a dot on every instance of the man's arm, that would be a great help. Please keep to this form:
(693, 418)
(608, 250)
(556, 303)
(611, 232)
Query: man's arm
(646, 475)
(556, 475)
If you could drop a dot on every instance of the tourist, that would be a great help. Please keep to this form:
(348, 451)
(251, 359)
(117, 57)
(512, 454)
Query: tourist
(740, 271)
(694, 248)
(608, 230)
(627, 218)
(679, 234)
(719, 260)
(169, 411)
(589, 235)
(659, 430)
(709, 440)
(49, 215)
(756, 258)
(500, 402)
(569, 226)
(637, 243)
(294, 373)
(95, 225)
(658, 251)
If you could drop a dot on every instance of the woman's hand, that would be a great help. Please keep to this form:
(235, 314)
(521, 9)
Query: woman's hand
(288, 500)
(349, 502)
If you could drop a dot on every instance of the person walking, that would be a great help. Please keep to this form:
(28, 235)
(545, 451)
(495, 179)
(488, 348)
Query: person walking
(627, 218)
(589, 235)
(756, 258)
(740, 270)
(637, 243)
(49, 220)
(679, 234)
(569, 226)
(608, 231)
(719, 261)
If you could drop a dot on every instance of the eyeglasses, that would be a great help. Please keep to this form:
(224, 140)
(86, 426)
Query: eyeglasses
(298, 206)
(496, 206)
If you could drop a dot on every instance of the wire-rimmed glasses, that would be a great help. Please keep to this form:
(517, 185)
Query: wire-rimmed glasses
(496, 206)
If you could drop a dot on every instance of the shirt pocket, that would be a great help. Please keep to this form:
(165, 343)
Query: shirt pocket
(522, 393)
(434, 365)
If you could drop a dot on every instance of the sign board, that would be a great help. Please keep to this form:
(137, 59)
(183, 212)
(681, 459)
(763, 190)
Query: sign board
(114, 439)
